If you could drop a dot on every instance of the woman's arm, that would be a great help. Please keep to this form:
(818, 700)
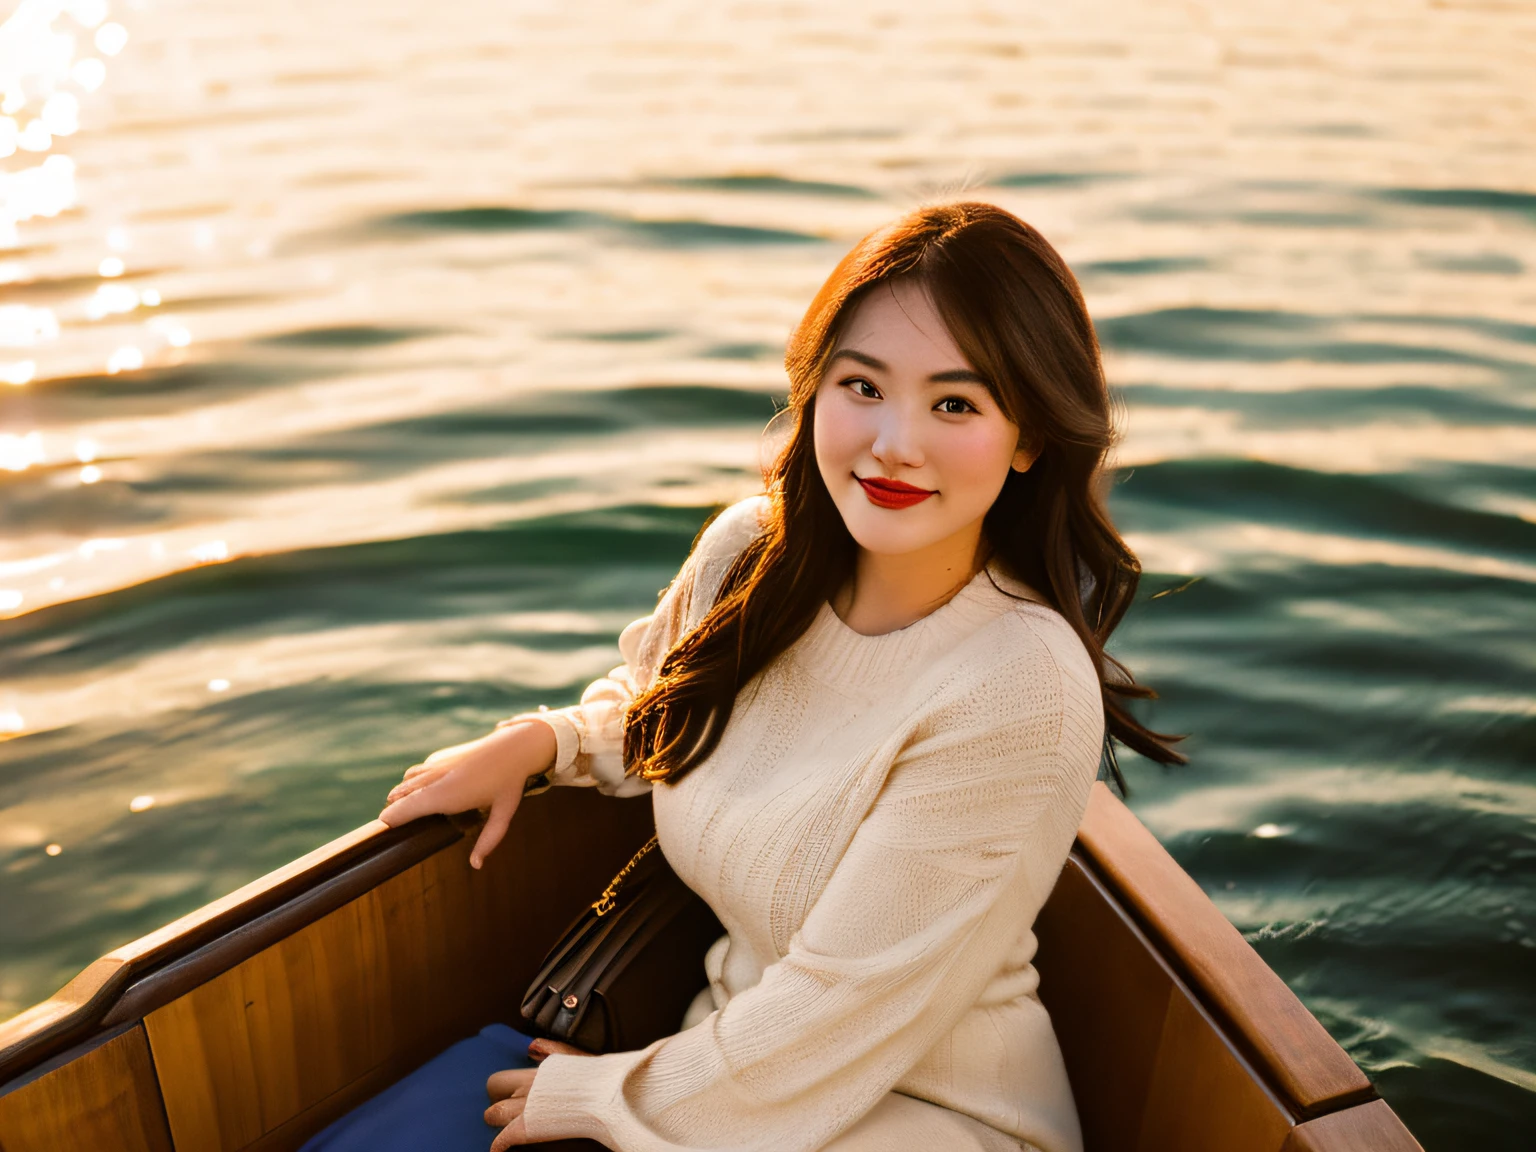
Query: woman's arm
(582, 744)
(589, 736)
(945, 873)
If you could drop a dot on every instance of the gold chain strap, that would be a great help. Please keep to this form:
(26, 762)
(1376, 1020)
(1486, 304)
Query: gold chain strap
(606, 903)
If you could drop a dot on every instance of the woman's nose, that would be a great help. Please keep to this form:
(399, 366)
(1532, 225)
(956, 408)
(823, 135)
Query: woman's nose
(896, 441)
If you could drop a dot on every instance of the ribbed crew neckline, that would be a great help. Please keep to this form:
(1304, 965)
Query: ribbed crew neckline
(832, 651)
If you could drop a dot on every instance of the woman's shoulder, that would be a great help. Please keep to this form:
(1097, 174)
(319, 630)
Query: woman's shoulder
(1027, 656)
(732, 529)
(721, 541)
(1018, 694)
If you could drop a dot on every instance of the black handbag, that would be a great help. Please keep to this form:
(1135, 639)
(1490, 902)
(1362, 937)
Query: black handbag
(624, 973)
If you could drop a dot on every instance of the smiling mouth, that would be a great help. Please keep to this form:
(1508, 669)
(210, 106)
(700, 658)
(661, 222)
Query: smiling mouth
(892, 493)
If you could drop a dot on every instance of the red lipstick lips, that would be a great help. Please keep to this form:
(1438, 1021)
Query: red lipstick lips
(892, 493)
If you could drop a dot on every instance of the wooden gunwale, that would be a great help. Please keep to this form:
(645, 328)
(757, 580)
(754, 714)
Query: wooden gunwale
(1256, 1073)
(138, 977)
(1371, 1127)
(1286, 1049)
(1301, 1062)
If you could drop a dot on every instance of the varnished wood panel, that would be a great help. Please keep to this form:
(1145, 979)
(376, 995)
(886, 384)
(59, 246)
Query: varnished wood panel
(249, 1050)
(102, 1098)
(1293, 1051)
(1150, 1069)
(272, 1050)
(138, 977)
(1204, 1097)
(280, 1007)
(1372, 1127)
(1108, 1000)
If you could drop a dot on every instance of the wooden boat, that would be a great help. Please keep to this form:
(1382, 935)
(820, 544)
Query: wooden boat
(255, 1021)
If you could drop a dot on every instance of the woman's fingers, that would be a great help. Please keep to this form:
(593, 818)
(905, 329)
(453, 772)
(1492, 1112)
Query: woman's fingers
(512, 1082)
(487, 774)
(509, 1090)
(503, 1112)
(541, 1048)
(414, 781)
(419, 802)
(502, 810)
(511, 1136)
(434, 767)
(404, 789)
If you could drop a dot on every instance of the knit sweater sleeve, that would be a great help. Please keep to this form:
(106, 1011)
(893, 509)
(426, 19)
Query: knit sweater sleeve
(589, 736)
(947, 870)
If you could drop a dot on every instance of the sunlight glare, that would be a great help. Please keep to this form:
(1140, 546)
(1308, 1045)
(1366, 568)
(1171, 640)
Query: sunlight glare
(125, 359)
(89, 548)
(22, 325)
(18, 372)
(61, 114)
(45, 190)
(86, 13)
(1271, 831)
(110, 39)
(18, 453)
(35, 137)
(89, 73)
(111, 299)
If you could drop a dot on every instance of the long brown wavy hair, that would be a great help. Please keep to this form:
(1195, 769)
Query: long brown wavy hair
(1017, 314)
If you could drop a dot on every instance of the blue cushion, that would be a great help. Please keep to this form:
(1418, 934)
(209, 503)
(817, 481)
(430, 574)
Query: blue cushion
(440, 1107)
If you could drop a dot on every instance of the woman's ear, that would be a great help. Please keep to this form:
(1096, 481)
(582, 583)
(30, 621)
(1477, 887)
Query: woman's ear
(1031, 444)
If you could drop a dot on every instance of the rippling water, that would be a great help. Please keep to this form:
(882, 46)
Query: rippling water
(367, 366)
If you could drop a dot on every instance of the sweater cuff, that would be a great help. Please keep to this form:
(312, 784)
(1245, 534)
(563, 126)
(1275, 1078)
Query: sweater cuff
(569, 1094)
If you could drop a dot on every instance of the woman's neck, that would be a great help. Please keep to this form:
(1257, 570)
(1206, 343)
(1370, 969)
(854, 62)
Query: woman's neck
(886, 593)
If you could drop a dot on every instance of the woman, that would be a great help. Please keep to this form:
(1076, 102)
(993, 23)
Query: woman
(869, 710)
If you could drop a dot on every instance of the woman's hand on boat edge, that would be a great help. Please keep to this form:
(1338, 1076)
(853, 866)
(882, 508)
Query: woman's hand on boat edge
(488, 774)
(509, 1092)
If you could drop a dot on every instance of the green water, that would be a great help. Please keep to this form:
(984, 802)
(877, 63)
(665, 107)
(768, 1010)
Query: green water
(466, 320)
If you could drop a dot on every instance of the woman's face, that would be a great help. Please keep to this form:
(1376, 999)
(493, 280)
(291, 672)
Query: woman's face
(899, 402)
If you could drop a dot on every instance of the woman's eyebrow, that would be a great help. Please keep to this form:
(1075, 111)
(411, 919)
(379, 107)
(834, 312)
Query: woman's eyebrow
(958, 376)
(952, 376)
(861, 358)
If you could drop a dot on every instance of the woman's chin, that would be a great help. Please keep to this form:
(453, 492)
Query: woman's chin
(891, 532)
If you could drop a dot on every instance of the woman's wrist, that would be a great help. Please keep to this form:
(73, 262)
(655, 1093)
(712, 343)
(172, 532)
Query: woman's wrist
(530, 745)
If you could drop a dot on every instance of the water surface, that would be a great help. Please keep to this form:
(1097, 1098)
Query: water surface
(368, 366)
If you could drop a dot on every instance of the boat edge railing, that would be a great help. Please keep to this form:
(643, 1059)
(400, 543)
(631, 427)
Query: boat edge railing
(133, 980)
(1303, 1064)
(1299, 1060)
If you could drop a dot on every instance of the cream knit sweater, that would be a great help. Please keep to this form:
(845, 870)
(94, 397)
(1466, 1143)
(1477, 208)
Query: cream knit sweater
(877, 829)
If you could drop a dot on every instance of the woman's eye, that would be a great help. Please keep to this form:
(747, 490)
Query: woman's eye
(965, 406)
(858, 383)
